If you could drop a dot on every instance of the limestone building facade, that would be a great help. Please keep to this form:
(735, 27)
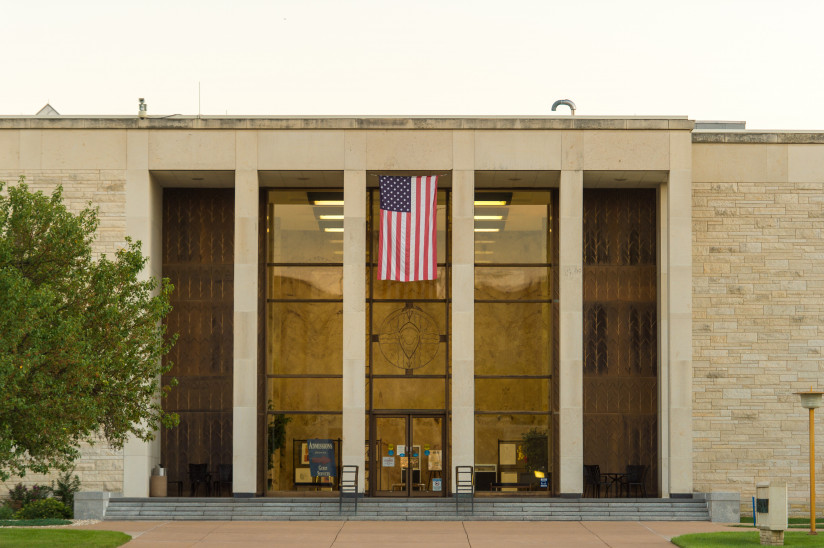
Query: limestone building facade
(611, 291)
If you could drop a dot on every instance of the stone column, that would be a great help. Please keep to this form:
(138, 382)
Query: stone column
(679, 352)
(143, 222)
(354, 320)
(571, 419)
(463, 319)
(244, 375)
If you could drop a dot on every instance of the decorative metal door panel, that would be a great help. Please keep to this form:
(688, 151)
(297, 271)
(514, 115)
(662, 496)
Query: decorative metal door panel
(620, 331)
(198, 255)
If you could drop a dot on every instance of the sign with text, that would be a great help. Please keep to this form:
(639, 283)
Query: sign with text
(322, 458)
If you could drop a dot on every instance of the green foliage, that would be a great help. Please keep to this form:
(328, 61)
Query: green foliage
(67, 486)
(747, 538)
(24, 495)
(33, 523)
(81, 338)
(536, 450)
(44, 509)
(6, 512)
(276, 434)
(58, 538)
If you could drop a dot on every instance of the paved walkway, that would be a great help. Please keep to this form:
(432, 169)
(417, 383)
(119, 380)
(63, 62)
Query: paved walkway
(388, 534)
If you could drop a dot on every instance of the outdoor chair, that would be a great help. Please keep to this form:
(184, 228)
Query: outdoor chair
(199, 473)
(636, 477)
(593, 480)
(224, 476)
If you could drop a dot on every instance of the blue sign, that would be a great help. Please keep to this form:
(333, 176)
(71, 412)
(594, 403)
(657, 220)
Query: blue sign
(322, 458)
(391, 453)
(544, 483)
(426, 452)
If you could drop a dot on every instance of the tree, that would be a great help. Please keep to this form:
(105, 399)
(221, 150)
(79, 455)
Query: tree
(81, 339)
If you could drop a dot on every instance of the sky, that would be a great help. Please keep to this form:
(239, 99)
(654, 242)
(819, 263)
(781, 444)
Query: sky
(758, 61)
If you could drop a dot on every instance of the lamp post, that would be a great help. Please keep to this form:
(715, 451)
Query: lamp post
(810, 400)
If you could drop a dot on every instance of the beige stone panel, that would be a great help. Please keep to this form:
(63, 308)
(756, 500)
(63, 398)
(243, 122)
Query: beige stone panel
(571, 332)
(354, 142)
(572, 453)
(681, 455)
(517, 150)
(354, 320)
(244, 394)
(137, 150)
(246, 150)
(245, 335)
(622, 150)
(83, 149)
(680, 150)
(729, 163)
(31, 149)
(806, 163)
(244, 449)
(463, 407)
(403, 149)
(777, 163)
(10, 149)
(304, 149)
(463, 150)
(572, 155)
(463, 288)
(192, 149)
(245, 287)
(139, 458)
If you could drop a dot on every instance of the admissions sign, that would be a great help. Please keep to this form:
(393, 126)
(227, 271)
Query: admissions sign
(322, 458)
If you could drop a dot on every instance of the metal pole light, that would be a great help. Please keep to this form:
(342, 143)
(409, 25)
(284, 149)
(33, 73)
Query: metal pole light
(810, 400)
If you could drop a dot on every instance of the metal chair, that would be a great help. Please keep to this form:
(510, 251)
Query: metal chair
(636, 477)
(464, 486)
(593, 480)
(224, 475)
(348, 485)
(199, 473)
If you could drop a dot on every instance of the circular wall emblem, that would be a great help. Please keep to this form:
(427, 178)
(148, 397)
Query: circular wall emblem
(409, 338)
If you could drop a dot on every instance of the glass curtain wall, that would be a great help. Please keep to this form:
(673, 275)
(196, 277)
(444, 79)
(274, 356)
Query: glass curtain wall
(304, 335)
(408, 369)
(515, 303)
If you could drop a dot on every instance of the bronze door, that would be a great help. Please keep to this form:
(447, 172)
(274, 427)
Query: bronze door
(410, 459)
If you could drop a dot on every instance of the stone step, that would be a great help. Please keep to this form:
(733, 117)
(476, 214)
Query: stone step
(442, 509)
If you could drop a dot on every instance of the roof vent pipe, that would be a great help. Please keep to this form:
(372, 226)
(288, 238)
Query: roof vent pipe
(141, 108)
(567, 102)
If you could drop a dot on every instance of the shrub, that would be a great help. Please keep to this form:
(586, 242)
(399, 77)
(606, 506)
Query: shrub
(43, 509)
(24, 495)
(6, 512)
(67, 486)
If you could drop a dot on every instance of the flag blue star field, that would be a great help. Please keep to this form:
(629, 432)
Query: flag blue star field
(407, 250)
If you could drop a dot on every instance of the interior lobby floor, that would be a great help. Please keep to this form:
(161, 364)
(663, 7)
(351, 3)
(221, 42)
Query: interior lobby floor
(433, 534)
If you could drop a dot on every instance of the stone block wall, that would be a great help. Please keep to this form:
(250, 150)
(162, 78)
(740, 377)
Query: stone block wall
(758, 333)
(101, 467)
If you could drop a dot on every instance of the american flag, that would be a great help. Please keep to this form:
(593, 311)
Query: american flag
(408, 249)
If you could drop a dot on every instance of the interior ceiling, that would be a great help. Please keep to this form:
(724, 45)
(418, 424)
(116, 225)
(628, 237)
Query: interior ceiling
(516, 179)
(624, 179)
(194, 179)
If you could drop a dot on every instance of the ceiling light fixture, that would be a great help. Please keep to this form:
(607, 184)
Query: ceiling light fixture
(328, 202)
(488, 217)
(487, 230)
(333, 229)
(331, 217)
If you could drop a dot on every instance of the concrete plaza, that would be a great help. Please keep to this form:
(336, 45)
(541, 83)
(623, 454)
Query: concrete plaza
(368, 534)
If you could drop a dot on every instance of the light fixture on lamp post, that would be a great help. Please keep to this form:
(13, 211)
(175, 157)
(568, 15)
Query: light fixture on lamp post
(811, 400)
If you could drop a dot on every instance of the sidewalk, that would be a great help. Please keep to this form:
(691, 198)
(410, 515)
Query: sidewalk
(383, 534)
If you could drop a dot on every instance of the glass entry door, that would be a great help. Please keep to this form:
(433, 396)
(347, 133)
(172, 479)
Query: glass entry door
(410, 460)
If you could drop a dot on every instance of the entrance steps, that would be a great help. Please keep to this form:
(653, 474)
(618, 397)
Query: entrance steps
(382, 509)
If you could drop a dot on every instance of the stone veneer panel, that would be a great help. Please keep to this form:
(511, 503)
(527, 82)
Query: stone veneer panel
(101, 467)
(758, 304)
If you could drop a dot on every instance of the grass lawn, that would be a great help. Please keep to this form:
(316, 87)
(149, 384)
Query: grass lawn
(794, 523)
(10, 538)
(744, 538)
(30, 522)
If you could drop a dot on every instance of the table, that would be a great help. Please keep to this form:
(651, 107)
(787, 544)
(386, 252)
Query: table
(614, 477)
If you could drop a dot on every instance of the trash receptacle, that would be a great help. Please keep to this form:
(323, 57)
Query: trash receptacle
(771, 512)
(157, 483)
